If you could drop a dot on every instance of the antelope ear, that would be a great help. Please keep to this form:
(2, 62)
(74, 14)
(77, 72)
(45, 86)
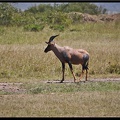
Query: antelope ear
(46, 42)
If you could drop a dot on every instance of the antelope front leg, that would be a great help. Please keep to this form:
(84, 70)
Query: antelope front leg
(63, 72)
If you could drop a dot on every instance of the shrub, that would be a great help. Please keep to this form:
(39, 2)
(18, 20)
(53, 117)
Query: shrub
(58, 18)
(57, 27)
(75, 17)
(33, 27)
(2, 30)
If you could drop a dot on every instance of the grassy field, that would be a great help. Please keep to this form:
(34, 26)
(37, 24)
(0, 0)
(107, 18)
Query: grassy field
(22, 55)
(22, 59)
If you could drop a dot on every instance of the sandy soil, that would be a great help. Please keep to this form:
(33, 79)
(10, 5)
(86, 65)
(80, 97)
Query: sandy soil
(11, 87)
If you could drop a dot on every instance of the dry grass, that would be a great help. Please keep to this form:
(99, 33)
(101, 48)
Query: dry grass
(93, 104)
(22, 55)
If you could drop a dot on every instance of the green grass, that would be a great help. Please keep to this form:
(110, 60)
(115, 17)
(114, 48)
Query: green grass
(71, 87)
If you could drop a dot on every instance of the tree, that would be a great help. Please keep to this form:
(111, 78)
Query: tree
(40, 8)
(7, 12)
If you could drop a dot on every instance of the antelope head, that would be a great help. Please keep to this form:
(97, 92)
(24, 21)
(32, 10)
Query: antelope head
(50, 43)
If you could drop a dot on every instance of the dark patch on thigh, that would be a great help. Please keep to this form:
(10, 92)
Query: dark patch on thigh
(86, 60)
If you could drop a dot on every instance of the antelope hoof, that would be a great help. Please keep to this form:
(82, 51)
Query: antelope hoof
(75, 80)
(61, 81)
(79, 80)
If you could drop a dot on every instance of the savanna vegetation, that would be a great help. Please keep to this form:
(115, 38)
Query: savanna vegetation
(22, 60)
(37, 17)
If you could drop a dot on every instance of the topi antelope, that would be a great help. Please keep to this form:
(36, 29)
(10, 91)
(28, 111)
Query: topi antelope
(70, 56)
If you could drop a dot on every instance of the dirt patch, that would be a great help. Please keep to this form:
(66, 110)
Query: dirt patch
(12, 87)
(95, 18)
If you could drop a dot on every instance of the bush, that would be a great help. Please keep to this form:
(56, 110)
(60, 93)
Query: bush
(75, 17)
(33, 27)
(58, 18)
(57, 27)
(2, 30)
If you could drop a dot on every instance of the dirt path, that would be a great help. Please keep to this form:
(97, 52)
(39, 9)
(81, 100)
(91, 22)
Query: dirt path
(92, 80)
(16, 87)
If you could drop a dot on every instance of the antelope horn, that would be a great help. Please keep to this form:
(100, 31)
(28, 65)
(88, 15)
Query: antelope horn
(52, 37)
